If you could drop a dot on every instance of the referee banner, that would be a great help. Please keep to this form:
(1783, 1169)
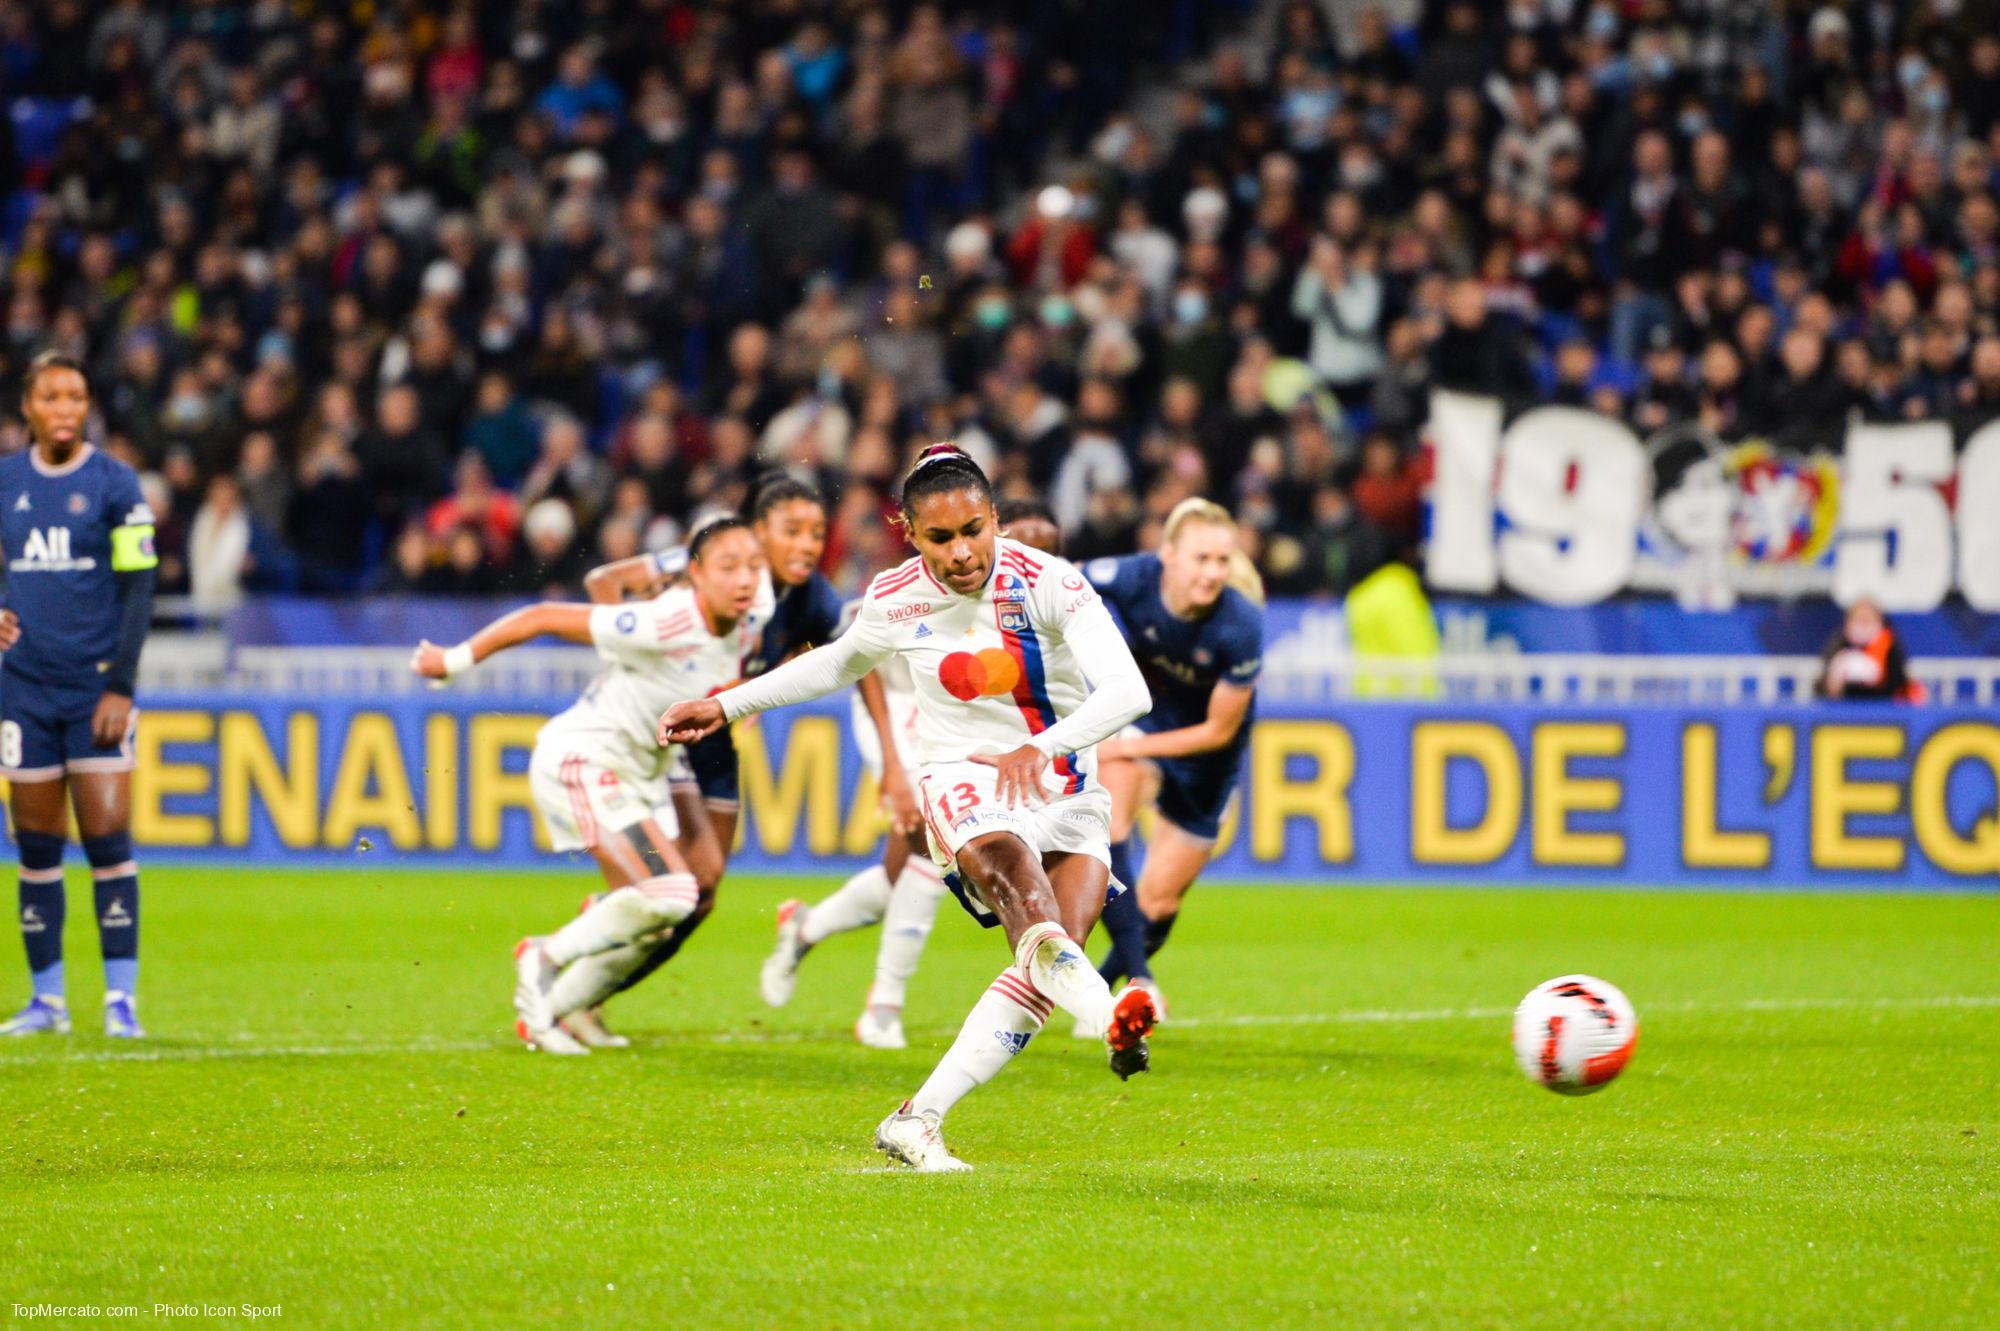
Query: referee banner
(1858, 795)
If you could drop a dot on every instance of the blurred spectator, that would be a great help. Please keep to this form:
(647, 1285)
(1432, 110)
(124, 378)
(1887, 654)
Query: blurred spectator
(1864, 661)
(554, 561)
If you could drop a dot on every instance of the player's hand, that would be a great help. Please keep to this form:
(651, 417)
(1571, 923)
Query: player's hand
(1020, 774)
(898, 800)
(10, 629)
(686, 722)
(428, 660)
(110, 721)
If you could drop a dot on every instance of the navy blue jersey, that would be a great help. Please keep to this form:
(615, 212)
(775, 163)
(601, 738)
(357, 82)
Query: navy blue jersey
(1182, 659)
(807, 615)
(66, 532)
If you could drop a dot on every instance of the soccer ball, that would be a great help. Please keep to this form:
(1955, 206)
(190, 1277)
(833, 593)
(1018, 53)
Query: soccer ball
(1574, 1034)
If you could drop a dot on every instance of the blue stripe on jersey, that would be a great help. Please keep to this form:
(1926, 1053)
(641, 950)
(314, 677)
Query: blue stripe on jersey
(1032, 692)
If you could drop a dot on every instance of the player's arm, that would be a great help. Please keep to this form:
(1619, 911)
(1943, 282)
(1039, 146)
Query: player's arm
(635, 578)
(10, 623)
(1118, 693)
(1228, 705)
(567, 620)
(821, 671)
(134, 568)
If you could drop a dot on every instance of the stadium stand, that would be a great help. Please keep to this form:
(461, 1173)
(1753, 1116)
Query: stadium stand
(461, 298)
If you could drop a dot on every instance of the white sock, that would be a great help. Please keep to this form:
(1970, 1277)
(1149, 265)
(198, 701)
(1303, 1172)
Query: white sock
(1000, 1025)
(913, 909)
(623, 915)
(855, 904)
(590, 980)
(1059, 968)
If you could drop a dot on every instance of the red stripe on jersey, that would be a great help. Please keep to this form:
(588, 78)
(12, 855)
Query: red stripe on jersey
(1007, 986)
(1028, 573)
(894, 581)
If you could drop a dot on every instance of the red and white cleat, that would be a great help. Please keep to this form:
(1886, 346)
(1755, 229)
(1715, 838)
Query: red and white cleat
(1133, 1017)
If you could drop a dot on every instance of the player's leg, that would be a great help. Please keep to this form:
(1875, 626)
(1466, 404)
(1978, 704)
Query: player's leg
(36, 798)
(591, 979)
(857, 903)
(1008, 1015)
(706, 830)
(102, 797)
(906, 928)
(1008, 874)
(1131, 784)
(1193, 800)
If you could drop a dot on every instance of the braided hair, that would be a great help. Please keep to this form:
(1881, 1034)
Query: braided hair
(777, 487)
(941, 469)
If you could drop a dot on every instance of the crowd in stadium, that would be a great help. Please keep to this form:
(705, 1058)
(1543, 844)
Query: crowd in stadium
(466, 298)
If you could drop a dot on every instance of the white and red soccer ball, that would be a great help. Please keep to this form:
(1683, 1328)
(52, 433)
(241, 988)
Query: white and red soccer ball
(1574, 1034)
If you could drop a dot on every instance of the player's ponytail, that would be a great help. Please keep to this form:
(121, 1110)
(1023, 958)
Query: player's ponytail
(941, 469)
(777, 487)
(1245, 578)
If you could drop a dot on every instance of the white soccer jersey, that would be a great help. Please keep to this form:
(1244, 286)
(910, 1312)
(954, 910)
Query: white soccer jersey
(1034, 657)
(658, 653)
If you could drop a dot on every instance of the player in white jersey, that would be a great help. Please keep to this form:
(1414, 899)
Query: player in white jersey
(598, 779)
(996, 636)
(901, 893)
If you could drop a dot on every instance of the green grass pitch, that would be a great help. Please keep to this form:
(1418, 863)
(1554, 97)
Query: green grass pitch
(332, 1117)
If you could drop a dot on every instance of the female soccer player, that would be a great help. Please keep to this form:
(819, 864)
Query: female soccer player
(903, 891)
(79, 598)
(1194, 614)
(788, 518)
(997, 638)
(598, 779)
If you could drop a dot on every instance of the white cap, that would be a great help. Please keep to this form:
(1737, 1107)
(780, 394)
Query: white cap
(549, 520)
(968, 240)
(1055, 201)
(442, 278)
(583, 164)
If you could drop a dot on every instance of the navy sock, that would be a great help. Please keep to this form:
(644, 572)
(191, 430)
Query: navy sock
(1157, 931)
(43, 907)
(1125, 924)
(117, 883)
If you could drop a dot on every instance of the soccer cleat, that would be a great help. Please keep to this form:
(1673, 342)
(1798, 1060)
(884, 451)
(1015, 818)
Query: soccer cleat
(121, 1020)
(589, 1029)
(781, 968)
(534, 975)
(917, 1140)
(551, 1040)
(42, 1016)
(1133, 1017)
(881, 1028)
(1083, 1030)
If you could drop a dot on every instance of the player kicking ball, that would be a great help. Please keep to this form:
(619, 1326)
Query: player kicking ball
(598, 779)
(997, 637)
(901, 893)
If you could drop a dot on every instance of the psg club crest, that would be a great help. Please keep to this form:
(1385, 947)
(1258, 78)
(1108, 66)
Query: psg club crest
(77, 503)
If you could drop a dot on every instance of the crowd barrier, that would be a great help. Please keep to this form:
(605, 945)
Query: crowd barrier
(1379, 792)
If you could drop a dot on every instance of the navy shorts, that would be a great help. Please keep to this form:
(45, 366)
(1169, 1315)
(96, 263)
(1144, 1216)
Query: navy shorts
(45, 732)
(713, 761)
(1194, 792)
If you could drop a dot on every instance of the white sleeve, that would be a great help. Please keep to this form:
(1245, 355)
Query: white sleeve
(823, 670)
(628, 632)
(1118, 692)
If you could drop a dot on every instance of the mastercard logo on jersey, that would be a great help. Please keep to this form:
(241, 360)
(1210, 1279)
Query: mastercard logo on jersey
(987, 673)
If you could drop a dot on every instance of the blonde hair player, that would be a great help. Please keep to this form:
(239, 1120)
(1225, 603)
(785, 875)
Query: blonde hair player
(1194, 614)
(903, 891)
(997, 637)
(598, 780)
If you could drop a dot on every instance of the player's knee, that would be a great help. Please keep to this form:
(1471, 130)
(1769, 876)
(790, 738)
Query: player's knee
(109, 851)
(40, 851)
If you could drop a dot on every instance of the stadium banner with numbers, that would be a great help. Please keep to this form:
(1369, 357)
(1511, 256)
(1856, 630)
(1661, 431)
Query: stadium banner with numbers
(1568, 507)
(1382, 792)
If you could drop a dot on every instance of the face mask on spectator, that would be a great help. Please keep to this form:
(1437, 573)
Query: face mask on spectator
(991, 314)
(1190, 307)
(1057, 312)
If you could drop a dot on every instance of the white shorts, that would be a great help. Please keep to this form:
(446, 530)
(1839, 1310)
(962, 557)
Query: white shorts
(584, 800)
(902, 728)
(959, 806)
